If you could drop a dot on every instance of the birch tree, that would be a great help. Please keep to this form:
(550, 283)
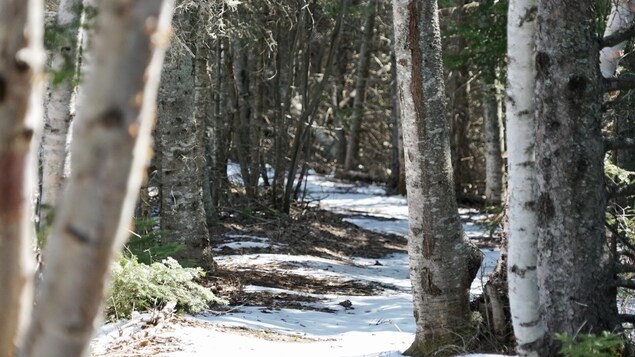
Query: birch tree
(63, 46)
(521, 228)
(442, 261)
(109, 153)
(20, 74)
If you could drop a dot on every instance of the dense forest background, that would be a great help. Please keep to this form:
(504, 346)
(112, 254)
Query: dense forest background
(123, 111)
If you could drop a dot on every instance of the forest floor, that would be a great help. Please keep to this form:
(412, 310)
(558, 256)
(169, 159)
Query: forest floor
(331, 279)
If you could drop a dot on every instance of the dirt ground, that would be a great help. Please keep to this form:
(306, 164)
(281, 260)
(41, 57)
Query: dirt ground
(311, 232)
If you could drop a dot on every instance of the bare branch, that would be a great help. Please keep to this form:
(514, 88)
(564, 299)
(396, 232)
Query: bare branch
(621, 83)
(618, 37)
(628, 284)
(618, 142)
(627, 318)
(625, 268)
(448, 11)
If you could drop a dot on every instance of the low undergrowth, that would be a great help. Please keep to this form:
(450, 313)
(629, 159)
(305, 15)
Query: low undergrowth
(141, 287)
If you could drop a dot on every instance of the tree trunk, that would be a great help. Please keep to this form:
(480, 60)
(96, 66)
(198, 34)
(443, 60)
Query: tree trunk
(311, 102)
(458, 91)
(183, 218)
(521, 229)
(352, 149)
(442, 261)
(397, 181)
(244, 120)
(492, 116)
(575, 273)
(63, 47)
(20, 77)
(109, 156)
(202, 110)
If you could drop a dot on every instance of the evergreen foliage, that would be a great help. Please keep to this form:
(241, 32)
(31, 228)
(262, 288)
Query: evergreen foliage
(140, 287)
(584, 345)
(145, 246)
(484, 30)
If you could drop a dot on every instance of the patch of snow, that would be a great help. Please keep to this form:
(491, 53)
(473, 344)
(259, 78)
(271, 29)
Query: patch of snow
(242, 241)
(377, 325)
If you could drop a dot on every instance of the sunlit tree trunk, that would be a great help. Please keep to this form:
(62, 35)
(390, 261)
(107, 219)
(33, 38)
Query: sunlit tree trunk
(442, 262)
(110, 152)
(63, 45)
(575, 272)
(183, 218)
(21, 59)
(522, 232)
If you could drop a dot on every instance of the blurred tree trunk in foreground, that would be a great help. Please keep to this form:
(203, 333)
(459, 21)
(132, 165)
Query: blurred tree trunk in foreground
(21, 55)
(110, 152)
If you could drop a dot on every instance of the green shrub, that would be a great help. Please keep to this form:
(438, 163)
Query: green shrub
(140, 287)
(584, 345)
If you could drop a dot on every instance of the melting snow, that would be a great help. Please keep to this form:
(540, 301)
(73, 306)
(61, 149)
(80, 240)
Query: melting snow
(378, 325)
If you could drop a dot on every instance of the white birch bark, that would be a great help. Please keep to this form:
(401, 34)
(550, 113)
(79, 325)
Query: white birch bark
(110, 153)
(522, 225)
(57, 115)
(21, 60)
(620, 18)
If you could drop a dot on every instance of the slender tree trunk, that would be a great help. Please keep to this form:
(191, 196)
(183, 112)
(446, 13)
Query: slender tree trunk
(492, 116)
(522, 232)
(243, 124)
(458, 91)
(352, 149)
(397, 181)
(109, 156)
(202, 110)
(339, 82)
(575, 272)
(183, 218)
(63, 46)
(443, 262)
(311, 103)
(20, 77)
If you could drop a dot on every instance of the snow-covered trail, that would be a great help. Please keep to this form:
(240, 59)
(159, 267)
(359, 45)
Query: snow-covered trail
(377, 325)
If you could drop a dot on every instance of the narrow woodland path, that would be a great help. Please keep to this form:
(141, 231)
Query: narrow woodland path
(323, 287)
